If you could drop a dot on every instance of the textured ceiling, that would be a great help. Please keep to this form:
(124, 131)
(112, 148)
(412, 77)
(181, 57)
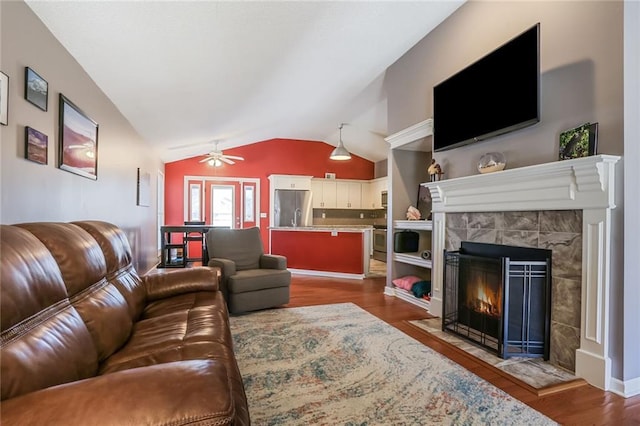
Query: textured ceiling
(187, 73)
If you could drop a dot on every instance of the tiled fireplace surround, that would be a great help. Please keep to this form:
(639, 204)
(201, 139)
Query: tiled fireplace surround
(564, 206)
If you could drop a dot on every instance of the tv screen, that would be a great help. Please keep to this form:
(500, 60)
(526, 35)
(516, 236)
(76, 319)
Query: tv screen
(497, 94)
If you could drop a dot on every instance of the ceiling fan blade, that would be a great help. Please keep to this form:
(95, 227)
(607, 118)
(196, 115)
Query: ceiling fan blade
(234, 157)
(226, 160)
(207, 158)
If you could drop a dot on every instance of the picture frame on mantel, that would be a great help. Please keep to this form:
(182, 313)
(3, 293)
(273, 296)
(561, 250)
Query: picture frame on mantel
(4, 99)
(424, 202)
(578, 142)
(78, 141)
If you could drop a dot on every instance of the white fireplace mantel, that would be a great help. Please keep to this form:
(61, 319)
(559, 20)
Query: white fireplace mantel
(586, 184)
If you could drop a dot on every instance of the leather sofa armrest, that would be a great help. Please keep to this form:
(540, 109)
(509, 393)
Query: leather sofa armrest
(273, 261)
(175, 393)
(227, 266)
(163, 283)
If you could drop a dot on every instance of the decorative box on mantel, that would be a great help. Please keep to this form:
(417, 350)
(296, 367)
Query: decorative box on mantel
(586, 184)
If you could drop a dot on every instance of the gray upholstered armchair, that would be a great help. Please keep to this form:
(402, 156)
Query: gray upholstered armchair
(251, 280)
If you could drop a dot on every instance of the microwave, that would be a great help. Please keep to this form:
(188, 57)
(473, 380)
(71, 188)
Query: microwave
(383, 199)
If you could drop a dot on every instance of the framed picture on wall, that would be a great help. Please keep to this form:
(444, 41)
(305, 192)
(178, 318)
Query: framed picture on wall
(36, 89)
(578, 142)
(4, 98)
(36, 145)
(78, 141)
(144, 188)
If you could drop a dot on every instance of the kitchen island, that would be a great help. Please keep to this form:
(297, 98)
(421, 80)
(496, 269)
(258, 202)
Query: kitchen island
(338, 251)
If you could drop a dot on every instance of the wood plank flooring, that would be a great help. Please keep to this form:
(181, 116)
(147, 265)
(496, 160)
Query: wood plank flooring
(585, 405)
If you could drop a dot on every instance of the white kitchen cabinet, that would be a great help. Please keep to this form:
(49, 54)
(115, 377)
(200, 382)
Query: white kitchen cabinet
(373, 198)
(323, 193)
(349, 195)
(290, 182)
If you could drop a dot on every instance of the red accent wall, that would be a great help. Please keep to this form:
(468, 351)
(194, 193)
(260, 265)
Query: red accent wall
(261, 159)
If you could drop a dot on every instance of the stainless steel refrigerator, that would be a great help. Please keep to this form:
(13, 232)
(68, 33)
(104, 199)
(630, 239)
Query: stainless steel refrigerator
(292, 207)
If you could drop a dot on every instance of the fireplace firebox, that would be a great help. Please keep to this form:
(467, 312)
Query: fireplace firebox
(499, 297)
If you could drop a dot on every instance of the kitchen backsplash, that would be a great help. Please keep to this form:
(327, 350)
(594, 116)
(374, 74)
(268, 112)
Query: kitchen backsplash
(349, 217)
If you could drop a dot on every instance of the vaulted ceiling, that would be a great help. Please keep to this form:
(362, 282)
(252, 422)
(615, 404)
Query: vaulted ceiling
(186, 74)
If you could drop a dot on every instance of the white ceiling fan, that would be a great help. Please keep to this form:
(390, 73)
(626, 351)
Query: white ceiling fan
(217, 157)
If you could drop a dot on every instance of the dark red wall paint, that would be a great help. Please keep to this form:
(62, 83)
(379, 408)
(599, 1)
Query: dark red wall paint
(320, 251)
(261, 159)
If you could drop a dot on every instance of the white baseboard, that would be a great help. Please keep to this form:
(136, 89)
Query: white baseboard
(327, 274)
(626, 388)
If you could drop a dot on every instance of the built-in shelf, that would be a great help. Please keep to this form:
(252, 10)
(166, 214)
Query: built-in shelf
(409, 297)
(416, 225)
(412, 259)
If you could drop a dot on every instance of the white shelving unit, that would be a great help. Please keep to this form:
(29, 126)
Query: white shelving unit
(409, 158)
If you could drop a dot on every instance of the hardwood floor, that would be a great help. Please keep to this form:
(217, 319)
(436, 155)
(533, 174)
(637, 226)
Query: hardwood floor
(585, 405)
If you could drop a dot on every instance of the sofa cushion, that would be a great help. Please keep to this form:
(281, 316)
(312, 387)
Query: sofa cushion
(44, 342)
(120, 272)
(173, 330)
(82, 265)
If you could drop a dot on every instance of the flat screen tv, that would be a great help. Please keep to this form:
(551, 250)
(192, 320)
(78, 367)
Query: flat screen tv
(497, 94)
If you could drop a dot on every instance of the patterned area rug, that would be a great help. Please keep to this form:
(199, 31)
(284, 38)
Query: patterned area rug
(339, 365)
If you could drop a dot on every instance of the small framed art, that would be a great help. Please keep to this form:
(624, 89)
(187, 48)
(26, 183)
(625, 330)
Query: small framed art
(4, 98)
(578, 142)
(78, 141)
(36, 89)
(36, 145)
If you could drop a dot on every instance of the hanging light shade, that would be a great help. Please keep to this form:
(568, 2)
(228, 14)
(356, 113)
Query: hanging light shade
(340, 153)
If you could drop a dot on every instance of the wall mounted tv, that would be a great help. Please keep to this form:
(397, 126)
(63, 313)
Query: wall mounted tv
(497, 94)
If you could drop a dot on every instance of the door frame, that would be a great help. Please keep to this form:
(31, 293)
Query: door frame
(209, 180)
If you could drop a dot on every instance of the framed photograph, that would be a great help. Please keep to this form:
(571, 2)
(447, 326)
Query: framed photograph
(424, 202)
(579, 142)
(36, 89)
(78, 141)
(4, 98)
(144, 188)
(36, 145)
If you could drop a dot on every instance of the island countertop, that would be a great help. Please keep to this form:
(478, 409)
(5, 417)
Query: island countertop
(324, 228)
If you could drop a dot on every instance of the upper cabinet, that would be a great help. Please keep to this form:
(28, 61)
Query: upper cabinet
(372, 193)
(349, 195)
(290, 182)
(324, 193)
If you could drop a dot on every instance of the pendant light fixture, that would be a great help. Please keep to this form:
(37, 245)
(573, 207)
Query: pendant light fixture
(340, 153)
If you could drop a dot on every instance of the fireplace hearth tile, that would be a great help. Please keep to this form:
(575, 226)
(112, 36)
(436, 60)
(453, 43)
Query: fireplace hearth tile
(561, 221)
(521, 221)
(457, 220)
(533, 371)
(482, 220)
(567, 296)
(521, 238)
(481, 235)
(565, 340)
(567, 253)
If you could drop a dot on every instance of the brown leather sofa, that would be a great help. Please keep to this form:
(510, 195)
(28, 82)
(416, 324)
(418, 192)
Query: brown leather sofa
(86, 341)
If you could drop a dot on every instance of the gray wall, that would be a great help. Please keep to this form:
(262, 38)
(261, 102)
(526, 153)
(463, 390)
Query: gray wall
(581, 64)
(34, 192)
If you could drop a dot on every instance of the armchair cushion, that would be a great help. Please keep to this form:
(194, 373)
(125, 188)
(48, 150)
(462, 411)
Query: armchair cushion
(243, 246)
(258, 279)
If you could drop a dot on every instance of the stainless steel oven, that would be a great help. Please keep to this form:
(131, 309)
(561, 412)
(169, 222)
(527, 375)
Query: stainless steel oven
(380, 243)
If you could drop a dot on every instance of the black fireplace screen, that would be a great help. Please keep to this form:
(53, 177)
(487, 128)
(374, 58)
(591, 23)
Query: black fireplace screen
(499, 302)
